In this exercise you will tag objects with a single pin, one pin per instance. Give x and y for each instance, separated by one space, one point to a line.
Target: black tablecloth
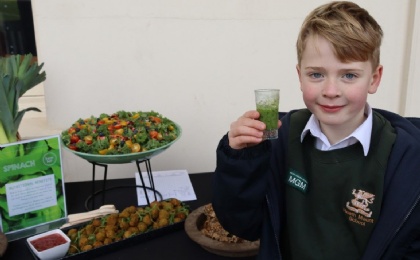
173 245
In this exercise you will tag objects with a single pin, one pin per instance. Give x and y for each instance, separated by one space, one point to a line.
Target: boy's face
335 92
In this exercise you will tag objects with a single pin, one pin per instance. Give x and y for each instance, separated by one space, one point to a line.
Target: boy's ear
376 79
298 72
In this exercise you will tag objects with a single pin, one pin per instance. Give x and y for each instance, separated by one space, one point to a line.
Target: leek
17 75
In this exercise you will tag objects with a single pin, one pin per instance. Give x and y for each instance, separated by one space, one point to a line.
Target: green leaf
6 116
20 114
3 203
36 148
17 75
57 172
53 143
61 204
50 213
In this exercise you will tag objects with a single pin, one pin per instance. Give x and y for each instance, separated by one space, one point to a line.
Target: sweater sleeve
239 187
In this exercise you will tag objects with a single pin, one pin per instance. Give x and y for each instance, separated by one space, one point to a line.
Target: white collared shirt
362 134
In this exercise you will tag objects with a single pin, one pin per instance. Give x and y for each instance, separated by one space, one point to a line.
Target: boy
342 181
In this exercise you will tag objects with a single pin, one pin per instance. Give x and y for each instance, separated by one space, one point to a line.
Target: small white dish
55 252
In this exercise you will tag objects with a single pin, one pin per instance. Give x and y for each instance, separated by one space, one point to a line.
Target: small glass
267 102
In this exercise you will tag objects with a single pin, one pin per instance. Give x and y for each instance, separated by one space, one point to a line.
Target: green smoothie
267 101
268 115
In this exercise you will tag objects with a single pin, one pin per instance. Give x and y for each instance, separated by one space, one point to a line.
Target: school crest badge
358 208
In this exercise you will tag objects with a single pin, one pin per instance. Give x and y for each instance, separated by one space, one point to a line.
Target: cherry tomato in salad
107 120
101 137
135 148
71 130
113 141
155 119
74 138
153 134
88 139
119 131
129 143
72 147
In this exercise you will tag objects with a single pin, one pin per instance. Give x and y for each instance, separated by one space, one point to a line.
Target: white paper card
30 195
171 184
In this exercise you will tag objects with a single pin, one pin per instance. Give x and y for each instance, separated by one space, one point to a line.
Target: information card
32 193
171 184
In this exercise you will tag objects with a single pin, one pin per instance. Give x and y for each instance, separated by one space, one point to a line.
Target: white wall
196 62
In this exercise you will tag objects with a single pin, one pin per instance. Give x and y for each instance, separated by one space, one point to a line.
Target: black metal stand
105 166
149 175
93 180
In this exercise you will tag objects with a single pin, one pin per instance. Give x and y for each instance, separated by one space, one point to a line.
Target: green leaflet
57 172
39 147
53 143
61 203
3 203
22 162
50 213
5 225
10 152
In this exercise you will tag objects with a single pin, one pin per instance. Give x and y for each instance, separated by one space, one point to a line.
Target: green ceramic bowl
125 158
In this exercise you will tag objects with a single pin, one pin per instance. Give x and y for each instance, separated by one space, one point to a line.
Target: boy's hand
246 131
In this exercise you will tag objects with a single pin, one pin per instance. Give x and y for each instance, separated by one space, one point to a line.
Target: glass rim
266 89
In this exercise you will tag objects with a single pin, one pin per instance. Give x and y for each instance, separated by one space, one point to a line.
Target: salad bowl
145 129
123 158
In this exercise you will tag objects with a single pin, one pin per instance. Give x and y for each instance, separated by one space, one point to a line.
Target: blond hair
352 31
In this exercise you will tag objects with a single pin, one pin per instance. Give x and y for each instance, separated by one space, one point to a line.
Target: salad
120 133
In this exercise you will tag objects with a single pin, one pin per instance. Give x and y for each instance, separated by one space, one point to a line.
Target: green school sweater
333 198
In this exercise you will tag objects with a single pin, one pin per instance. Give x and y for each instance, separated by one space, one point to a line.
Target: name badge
296 181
